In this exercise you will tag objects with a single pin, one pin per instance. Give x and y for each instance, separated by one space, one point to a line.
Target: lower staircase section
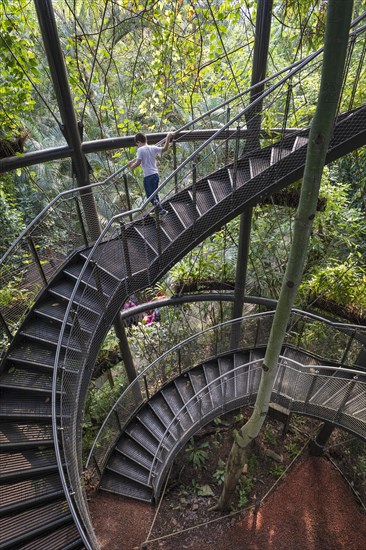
149 443
165 423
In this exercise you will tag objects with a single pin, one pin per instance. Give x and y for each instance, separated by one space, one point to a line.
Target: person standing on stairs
146 157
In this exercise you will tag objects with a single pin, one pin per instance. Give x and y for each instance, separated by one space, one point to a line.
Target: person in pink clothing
146 157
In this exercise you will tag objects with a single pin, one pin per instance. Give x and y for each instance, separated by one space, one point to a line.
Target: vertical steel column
241 273
253 120
70 127
259 68
316 446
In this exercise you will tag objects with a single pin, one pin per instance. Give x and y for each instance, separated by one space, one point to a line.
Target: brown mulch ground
313 508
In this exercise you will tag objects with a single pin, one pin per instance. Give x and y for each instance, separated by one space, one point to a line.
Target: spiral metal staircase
33 506
48 362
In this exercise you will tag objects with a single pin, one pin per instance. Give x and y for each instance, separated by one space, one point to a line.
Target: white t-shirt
147 154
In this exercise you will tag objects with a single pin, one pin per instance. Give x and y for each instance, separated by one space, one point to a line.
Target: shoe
163 213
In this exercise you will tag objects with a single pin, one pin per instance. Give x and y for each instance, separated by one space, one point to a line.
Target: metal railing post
236 156
348 347
6 328
227 141
175 165
81 221
194 184
126 253
37 260
127 193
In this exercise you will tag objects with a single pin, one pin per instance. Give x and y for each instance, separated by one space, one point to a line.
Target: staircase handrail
139 380
282 360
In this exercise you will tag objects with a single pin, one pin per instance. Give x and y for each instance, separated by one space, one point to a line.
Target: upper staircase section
284 111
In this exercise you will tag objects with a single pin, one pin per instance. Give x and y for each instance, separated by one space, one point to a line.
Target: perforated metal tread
18 529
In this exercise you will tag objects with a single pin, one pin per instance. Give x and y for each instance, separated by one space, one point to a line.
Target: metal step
24 494
212 374
139 254
300 141
109 256
133 450
21 379
28 463
63 290
33 355
126 487
17 435
199 384
64 538
141 435
242 176
278 153
128 468
152 423
227 378
186 391
185 211
220 187
165 414
241 361
39 330
53 310
152 234
18 407
93 277
255 370
30 524
257 165
204 199
175 402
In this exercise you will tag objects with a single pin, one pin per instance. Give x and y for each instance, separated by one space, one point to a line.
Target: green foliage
292 449
344 283
18 60
219 473
244 489
214 259
11 220
277 470
197 453
269 435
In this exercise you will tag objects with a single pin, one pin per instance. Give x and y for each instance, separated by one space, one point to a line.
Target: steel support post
70 127
253 120
241 273
316 446
125 349
259 68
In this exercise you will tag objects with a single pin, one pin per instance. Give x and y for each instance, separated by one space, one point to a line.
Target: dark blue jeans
151 184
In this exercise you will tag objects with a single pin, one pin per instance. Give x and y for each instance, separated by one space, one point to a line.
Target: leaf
205 491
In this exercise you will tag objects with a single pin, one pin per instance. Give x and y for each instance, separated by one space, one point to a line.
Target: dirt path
312 509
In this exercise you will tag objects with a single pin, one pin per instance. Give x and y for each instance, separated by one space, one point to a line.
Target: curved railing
75 376
320 391
333 342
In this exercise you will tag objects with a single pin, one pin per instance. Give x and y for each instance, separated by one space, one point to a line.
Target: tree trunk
336 40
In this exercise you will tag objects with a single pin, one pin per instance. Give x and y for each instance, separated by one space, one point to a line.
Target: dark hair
140 137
